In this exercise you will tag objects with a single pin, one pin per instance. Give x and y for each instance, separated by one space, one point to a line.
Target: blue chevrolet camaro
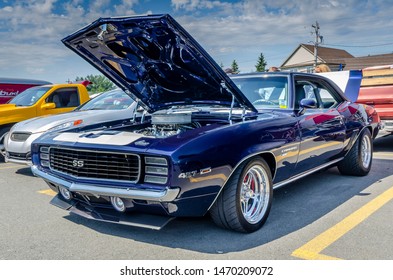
201 141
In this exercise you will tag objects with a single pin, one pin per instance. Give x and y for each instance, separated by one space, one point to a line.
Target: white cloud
7 9
241 30
32 30
44 7
191 5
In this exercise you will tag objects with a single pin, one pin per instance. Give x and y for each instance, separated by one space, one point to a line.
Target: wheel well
6 128
268 157
271 161
373 133
8 125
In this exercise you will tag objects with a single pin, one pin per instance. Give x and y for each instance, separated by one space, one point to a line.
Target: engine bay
167 130
166 125
177 120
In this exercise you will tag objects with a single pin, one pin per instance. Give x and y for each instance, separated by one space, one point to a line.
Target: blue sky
31 30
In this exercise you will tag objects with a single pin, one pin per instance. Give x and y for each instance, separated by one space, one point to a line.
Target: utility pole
318 40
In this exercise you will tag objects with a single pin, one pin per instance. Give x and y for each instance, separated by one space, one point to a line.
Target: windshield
30 96
265 92
110 100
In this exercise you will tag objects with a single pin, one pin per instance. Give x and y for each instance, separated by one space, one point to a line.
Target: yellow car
39 101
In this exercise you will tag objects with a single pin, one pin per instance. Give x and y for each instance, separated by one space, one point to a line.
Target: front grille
25 156
97 165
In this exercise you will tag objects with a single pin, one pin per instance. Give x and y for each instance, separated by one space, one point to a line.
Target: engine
163 131
166 125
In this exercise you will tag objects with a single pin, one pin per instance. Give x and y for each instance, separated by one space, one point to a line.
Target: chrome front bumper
14 160
166 195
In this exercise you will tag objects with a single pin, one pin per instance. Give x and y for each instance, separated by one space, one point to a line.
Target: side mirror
308 103
48 106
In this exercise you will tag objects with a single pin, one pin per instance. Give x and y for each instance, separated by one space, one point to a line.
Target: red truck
377 90
10 87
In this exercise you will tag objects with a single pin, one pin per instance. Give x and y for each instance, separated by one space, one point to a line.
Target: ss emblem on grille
77 163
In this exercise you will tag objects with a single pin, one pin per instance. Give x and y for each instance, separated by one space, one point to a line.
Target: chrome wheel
245 202
359 159
254 194
365 151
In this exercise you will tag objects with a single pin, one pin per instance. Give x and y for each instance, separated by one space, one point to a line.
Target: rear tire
358 161
244 203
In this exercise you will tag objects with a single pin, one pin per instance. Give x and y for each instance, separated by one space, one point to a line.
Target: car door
64 99
322 128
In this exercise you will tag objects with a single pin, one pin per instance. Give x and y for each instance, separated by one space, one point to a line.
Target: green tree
99 83
235 67
261 64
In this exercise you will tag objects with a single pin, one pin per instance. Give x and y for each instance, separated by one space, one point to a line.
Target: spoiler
348 81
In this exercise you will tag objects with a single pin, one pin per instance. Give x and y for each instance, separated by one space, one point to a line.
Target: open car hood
156 61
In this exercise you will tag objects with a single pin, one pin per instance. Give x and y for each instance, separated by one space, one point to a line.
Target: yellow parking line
10 166
378 154
48 192
312 250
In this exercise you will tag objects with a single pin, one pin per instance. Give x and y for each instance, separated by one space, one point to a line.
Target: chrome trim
304 174
18 161
98 179
166 195
282 183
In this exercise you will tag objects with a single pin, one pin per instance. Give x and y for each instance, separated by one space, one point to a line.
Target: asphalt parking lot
323 216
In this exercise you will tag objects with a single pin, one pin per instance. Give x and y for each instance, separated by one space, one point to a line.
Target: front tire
359 159
3 132
244 203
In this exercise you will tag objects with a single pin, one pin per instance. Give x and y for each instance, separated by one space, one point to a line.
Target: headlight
44 156
156 170
65 125
20 136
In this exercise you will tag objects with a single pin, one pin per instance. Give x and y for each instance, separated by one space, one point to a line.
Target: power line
364 46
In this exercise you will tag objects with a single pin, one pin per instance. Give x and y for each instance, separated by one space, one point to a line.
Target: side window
64 98
327 99
322 95
304 90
